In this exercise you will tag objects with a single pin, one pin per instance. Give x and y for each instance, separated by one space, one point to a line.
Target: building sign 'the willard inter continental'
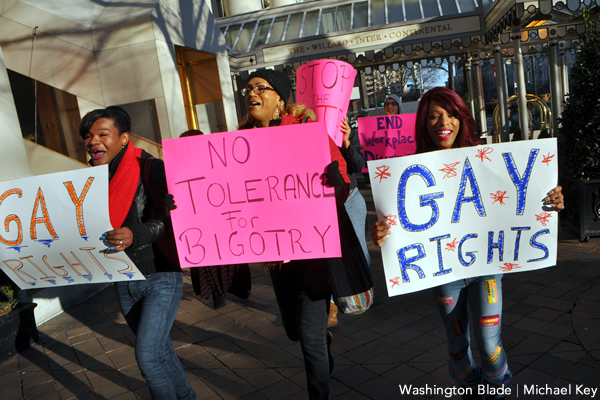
361 41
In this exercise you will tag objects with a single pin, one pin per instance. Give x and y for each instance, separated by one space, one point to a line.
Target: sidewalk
551 332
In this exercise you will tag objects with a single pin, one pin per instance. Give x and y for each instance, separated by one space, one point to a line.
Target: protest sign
326 86
466 212
52 229
387 136
252 196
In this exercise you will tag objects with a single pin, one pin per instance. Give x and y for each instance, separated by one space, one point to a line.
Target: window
310 23
278 28
327 21
377 12
244 39
361 15
466 5
232 34
395 12
343 20
261 33
413 9
293 31
449 7
430 8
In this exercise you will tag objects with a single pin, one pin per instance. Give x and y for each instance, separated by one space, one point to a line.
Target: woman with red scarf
140 218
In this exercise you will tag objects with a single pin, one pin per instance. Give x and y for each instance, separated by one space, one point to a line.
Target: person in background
391 105
302 287
149 306
444 122
215 281
356 206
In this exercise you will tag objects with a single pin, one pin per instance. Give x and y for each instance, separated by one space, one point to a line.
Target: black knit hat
280 81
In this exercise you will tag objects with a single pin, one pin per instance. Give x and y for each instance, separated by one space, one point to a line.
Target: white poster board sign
466 212
52 228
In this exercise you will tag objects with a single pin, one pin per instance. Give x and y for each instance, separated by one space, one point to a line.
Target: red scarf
336 155
123 185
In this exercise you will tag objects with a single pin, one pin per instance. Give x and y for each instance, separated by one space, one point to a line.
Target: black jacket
149 220
355 159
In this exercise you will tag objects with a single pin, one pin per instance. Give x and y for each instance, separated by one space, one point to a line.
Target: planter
17 330
582 207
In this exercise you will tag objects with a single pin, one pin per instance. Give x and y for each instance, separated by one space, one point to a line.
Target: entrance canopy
378 31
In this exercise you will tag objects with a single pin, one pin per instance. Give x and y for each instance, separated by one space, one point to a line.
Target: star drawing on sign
391 220
450 170
543 217
452 245
547 159
509 267
499 197
395 281
483 152
382 173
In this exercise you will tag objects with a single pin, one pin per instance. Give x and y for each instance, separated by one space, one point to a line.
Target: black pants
303 292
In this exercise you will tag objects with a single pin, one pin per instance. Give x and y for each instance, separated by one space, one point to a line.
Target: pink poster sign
325 86
252 196
387 136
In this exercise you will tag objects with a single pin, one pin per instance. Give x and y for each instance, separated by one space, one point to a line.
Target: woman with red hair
444 122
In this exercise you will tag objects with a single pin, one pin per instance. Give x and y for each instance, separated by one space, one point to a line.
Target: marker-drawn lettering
426 200
40 201
495 245
438 240
476 199
407 263
519 181
534 243
78 201
471 255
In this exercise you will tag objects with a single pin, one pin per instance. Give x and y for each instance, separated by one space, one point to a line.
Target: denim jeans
302 292
484 295
149 307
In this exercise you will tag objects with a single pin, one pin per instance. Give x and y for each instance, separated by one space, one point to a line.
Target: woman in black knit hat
301 287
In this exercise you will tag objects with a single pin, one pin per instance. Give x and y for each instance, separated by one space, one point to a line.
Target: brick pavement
551 332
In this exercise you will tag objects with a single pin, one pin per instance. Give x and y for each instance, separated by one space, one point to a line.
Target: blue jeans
302 291
484 295
149 308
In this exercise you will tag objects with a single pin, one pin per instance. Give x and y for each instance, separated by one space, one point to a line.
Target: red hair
453 104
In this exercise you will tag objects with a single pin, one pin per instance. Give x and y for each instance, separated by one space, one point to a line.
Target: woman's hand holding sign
117 239
346 130
555 199
380 232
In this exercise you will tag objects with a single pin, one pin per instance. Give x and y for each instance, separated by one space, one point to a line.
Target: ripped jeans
484 295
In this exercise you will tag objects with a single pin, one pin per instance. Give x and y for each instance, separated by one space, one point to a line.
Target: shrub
8 294
578 140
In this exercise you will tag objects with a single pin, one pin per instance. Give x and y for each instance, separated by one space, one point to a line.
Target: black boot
219 301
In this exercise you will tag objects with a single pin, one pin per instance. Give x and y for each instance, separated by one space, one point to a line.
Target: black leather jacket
149 219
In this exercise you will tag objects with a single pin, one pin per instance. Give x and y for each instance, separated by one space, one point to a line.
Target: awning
376 31
352 30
